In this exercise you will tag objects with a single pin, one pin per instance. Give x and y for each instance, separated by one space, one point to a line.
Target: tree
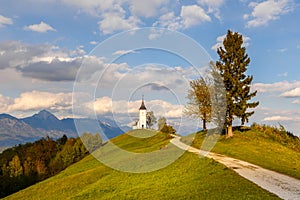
15 167
217 95
163 127
162 121
199 104
168 129
91 142
150 119
62 140
233 64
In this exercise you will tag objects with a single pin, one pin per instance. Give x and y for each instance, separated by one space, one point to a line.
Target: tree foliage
168 129
199 101
164 127
150 119
24 165
162 121
218 97
92 142
15 167
233 65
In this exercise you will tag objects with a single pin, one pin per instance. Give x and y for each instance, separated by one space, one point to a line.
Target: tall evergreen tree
233 65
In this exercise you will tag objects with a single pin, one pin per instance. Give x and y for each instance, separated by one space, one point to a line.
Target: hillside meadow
189 177
268 147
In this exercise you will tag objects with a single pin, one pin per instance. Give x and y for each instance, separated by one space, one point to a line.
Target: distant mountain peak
44 114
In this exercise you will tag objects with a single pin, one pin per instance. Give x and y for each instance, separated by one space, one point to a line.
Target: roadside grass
259 147
189 177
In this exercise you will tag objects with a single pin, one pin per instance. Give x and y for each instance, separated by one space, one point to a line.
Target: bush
279 135
168 129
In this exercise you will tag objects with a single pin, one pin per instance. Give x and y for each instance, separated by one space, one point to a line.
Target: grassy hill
189 177
265 146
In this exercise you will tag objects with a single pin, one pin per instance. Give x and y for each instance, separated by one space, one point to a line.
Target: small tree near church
150 119
233 65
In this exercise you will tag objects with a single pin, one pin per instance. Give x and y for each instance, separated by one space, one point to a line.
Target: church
141 123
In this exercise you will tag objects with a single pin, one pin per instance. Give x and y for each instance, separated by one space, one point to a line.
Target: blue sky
44 42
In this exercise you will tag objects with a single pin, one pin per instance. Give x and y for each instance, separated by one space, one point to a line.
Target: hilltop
189 177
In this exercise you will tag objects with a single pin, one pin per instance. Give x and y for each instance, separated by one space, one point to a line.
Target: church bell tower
142 115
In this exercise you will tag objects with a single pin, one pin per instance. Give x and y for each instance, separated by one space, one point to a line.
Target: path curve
283 186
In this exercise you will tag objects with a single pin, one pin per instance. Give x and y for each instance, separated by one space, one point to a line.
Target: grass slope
189 177
259 148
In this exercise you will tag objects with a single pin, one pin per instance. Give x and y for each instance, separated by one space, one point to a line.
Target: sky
73 58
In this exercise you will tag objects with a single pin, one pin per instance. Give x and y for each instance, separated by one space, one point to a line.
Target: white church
141 123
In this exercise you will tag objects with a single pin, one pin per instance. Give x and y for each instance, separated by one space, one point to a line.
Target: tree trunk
229 131
204 125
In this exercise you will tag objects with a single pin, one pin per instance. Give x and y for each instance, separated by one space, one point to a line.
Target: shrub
279 135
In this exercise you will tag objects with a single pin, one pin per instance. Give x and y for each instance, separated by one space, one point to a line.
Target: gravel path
283 186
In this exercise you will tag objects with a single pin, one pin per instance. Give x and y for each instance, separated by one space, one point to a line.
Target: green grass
257 147
141 141
189 177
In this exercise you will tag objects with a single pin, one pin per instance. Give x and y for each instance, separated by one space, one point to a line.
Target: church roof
143 107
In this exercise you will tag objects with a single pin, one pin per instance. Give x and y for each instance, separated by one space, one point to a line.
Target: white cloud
193 15
5 21
93 42
282 50
156 33
275 87
113 14
211 3
278 118
268 10
114 21
92 7
101 105
163 108
105 105
190 16
120 15
122 52
220 39
79 51
148 8
213 6
136 7
219 43
294 93
37 100
297 101
285 74
168 20
246 16
41 27
4 103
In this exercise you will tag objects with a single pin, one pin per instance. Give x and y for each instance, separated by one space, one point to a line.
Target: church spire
143 107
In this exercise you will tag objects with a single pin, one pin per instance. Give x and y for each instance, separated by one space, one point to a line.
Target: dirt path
283 186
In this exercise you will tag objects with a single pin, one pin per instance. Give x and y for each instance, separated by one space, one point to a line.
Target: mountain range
14 131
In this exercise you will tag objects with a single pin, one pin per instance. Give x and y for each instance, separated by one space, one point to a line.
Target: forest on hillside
24 165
